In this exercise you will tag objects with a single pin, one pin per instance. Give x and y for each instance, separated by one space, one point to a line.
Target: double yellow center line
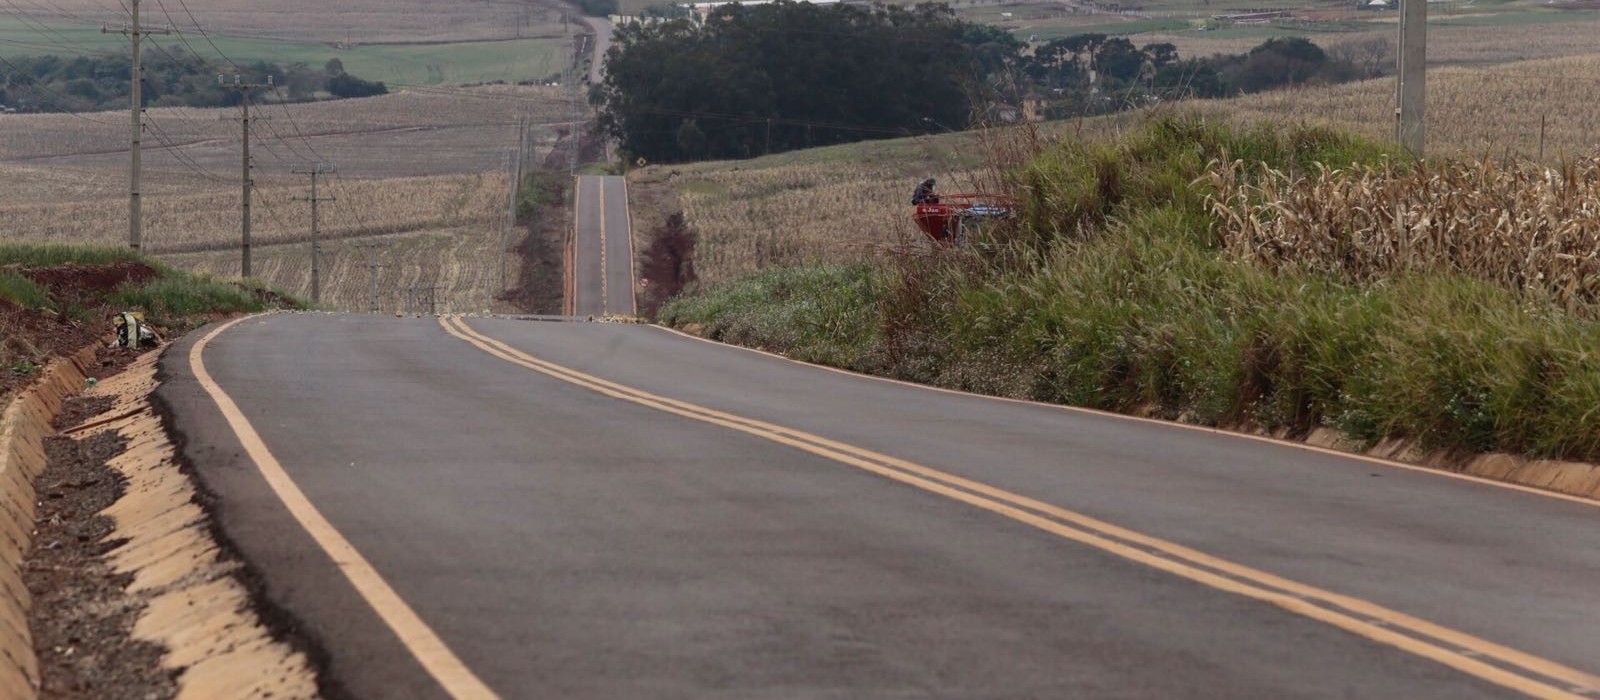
1510 668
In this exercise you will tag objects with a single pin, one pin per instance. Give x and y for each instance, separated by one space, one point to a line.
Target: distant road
602 248
477 507
602 43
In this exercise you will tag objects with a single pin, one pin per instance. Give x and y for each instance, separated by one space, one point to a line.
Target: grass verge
1114 292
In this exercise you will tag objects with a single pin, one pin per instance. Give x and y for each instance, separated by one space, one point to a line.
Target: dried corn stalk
1527 227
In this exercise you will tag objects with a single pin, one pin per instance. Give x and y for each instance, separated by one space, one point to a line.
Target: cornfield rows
209 219
1526 227
461 266
820 212
1484 112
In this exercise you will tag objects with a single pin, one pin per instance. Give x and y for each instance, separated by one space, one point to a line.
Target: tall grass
1115 292
172 298
168 300
22 291
51 254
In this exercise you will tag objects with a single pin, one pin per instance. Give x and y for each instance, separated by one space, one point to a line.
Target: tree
795 75
348 86
1161 54
333 68
1118 59
1368 58
691 140
598 8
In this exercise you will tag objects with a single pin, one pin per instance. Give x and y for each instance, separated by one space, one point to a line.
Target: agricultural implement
942 216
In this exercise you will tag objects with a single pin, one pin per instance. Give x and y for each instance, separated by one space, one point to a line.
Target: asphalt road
612 511
602 43
603 248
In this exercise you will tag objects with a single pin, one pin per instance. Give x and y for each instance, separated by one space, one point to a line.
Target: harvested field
1447 45
818 205
462 263
423 170
209 219
1471 111
415 132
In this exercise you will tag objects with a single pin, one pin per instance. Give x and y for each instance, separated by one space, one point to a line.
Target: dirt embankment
541 251
134 598
33 337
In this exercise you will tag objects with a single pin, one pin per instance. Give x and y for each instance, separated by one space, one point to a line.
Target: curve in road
649 516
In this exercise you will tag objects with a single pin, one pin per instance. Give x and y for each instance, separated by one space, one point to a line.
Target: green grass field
398 64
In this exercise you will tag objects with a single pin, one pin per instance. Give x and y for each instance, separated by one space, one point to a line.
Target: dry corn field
421 170
209 219
415 132
1473 112
461 265
1447 45
1525 227
830 205
440 230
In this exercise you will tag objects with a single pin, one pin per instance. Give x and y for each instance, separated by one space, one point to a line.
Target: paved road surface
603 248
602 43
570 510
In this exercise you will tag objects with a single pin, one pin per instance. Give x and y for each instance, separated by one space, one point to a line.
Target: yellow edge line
1290 595
1392 464
605 294
426 646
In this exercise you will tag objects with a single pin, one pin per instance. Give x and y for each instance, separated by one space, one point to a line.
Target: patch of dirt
82 619
79 286
77 410
667 265
30 338
540 252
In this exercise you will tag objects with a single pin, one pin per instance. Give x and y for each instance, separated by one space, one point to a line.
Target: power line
41 28
169 145
207 37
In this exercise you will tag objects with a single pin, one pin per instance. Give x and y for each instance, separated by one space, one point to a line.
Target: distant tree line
759 79
172 78
598 8
1094 73
766 78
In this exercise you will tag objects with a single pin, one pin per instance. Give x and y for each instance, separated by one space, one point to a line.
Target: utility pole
316 247
1411 89
574 94
244 103
515 170
372 274
136 33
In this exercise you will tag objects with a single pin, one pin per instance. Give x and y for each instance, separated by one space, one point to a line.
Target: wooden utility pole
515 170
136 33
316 246
372 275
574 94
1411 88
249 184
